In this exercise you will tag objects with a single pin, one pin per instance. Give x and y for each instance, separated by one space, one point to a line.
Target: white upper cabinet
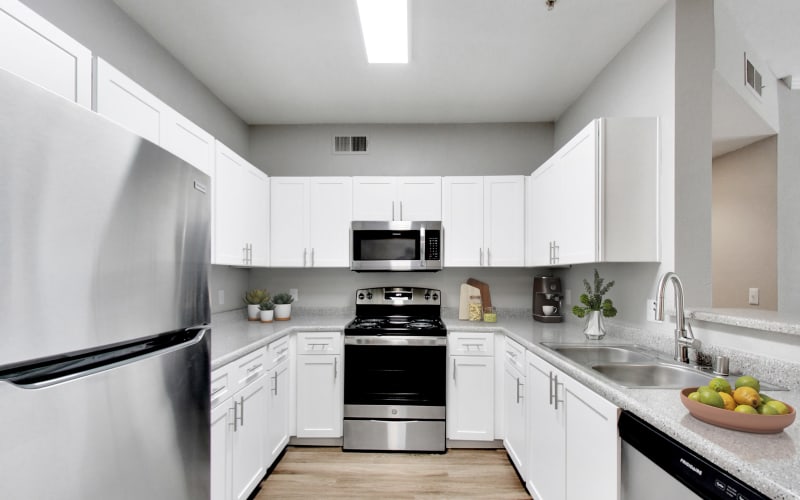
484 221
241 222
397 198
596 199
36 50
189 142
310 223
129 104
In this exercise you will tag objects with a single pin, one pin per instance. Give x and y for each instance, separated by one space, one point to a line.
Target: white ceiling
303 61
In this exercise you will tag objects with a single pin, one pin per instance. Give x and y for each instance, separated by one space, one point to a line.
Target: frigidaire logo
692 467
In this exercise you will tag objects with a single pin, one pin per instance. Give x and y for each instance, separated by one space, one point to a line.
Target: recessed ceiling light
384 24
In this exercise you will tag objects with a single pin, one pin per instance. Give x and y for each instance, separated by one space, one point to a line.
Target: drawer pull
217 390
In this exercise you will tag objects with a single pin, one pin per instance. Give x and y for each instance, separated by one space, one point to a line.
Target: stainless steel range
395 368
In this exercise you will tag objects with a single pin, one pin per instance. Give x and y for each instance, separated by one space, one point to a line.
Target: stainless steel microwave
396 246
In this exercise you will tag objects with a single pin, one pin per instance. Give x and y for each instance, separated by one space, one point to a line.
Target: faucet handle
691 342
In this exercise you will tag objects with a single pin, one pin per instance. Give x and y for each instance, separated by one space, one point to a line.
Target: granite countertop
759 319
768 462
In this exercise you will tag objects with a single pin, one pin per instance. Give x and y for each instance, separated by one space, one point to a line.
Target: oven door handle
394 340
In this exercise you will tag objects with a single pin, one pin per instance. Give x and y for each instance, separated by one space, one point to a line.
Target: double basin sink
634 366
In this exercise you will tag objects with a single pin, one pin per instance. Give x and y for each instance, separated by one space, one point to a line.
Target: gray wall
109 33
788 200
228 284
468 149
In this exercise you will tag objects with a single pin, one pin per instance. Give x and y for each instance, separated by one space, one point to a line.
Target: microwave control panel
432 245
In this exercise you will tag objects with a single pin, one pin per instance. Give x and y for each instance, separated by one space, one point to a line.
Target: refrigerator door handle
45 373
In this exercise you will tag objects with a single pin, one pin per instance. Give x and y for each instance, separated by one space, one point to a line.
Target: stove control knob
435 296
369 295
427 296
360 296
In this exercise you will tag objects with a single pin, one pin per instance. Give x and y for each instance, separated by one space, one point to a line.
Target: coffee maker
546 295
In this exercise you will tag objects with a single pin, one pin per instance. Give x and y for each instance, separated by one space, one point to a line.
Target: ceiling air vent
349 144
752 77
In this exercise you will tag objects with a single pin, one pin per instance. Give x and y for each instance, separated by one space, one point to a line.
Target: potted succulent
266 311
594 308
253 299
283 306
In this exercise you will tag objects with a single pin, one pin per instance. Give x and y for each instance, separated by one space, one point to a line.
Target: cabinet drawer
278 352
515 354
319 343
221 381
471 343
249 367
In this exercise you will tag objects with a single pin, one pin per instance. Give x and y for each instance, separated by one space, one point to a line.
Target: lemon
746 395
719 384
745 409
748 381
712 398
767 410
727 400
779 406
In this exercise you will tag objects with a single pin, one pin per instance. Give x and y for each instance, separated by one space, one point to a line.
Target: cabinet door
278 412
419 198
221 452
249 436
470 394
543 214
462 221
331 211
189 142
374 198
229 237
36 50
592 444
546 423
577 173
289 221
256 215
124 101
515 433
319 396
504 220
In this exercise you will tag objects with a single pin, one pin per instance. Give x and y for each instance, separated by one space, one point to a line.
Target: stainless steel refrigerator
104 310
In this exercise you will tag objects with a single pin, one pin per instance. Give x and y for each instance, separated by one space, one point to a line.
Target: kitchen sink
596 354
653 374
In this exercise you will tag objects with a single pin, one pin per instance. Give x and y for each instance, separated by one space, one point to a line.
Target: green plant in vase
254 298
594 308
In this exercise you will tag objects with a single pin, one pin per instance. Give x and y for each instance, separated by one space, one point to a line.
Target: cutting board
469 294
486 297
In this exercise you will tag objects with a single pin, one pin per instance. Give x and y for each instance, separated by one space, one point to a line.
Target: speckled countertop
769 462
759 319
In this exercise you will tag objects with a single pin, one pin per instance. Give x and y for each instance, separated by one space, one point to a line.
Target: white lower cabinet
238 426
514 398
278 399
470 386
320 391
573 445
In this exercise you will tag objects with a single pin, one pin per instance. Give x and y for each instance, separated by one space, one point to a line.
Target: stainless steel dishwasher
657 467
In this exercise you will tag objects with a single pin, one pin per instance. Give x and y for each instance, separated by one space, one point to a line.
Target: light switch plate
752 297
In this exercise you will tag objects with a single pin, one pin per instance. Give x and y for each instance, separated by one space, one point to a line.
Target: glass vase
595 328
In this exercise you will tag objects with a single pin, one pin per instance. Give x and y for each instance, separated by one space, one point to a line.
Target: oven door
395 371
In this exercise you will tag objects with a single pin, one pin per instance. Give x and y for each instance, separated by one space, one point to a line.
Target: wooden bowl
761 424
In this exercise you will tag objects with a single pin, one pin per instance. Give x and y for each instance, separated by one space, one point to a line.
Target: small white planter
252 312
266 316
283 312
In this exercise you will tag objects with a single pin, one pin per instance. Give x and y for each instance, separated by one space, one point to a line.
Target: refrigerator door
134 429
105 236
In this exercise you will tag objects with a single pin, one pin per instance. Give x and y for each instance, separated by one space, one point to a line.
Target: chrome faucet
684 339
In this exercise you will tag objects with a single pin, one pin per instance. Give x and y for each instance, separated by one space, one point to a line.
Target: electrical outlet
752 297
221 297
650 310
293 293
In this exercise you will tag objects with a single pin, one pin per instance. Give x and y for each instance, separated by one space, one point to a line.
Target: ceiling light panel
384 24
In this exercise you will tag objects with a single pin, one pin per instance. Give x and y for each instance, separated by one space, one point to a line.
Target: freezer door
107 230
135 429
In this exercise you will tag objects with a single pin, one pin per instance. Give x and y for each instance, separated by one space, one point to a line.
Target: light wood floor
306 472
